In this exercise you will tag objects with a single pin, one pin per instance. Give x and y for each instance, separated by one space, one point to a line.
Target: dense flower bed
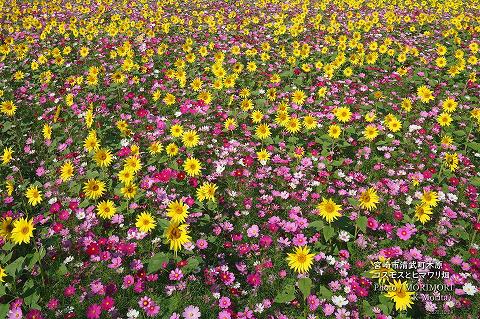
239 159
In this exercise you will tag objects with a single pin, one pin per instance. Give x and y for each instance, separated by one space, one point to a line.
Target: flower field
239 159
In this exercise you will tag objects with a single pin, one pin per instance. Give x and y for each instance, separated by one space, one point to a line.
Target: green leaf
156 262
317 224
285 295
475 181
211 205
32 300
163 223
15 266
193 263
353 201
4 310
305 286
37 257
62 270
474 146
325 292
367 308
362 223
328 232
6 126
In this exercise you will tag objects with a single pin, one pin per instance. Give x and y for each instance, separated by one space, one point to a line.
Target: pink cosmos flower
176 274
94 311
224 302
191 312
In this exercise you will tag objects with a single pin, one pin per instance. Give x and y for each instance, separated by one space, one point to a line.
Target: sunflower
190 138
145 222
8 108
451 160
126 176
449 105
47 132
192 166
2 274
6 227
66 171
33 195
22 231
298 97
343 114
7 155
398 291
177 211
423 212
129 191
425 94
246 105
444 119
91 143
406 105
103 157
93 188
169 99
133 163
155 148
393 124
206 191
171 149
334 131
430 198
262 131
369 199
257 116
329 210
10 187
230 124
263 156
370 132
309 122
300 260
106 209
177 235
282 118
293 125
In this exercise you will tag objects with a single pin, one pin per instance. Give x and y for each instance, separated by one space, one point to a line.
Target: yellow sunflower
206 191
343 114
369 199
66 171
398 291
6 227
190 138
192 166
329 210
7 155
8 108
33 195
94 188
262 131
145 222
103 157
423 212
177 236
106 209
22 231
177 211
301 260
